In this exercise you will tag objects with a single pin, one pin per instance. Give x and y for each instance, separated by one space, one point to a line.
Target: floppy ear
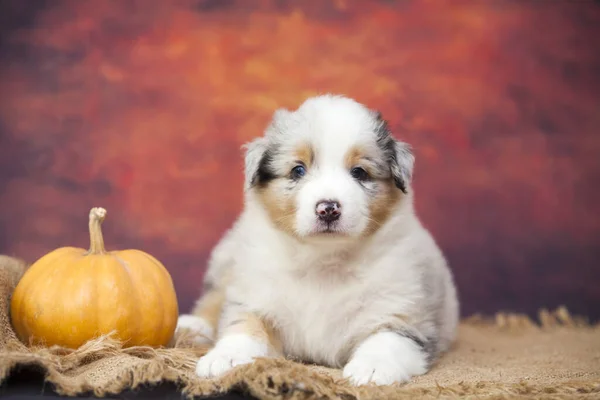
259 152
399 154
254 160
401 164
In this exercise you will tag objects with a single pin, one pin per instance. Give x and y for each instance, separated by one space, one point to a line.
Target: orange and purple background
141 107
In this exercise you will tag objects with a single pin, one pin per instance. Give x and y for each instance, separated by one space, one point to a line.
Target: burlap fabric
505 357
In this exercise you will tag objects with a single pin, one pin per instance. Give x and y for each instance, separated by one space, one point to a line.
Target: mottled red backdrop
141 107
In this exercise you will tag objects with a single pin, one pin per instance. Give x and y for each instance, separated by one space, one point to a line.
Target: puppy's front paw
385 358
231 351
378 370
200 329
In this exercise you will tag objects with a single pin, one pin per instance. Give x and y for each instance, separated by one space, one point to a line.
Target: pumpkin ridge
90 270
55 291
134 293
95 296
138 254
122 262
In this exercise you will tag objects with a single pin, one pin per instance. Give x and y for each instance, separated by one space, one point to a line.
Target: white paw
201 330
385 358
230 351
380 371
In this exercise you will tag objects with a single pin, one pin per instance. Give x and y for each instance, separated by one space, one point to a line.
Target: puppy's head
329 169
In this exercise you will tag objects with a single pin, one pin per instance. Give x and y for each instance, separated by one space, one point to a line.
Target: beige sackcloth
509 356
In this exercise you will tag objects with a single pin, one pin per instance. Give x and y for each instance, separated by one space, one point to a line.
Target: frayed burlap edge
69 370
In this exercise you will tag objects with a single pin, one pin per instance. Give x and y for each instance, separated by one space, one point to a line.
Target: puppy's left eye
359 173
298 172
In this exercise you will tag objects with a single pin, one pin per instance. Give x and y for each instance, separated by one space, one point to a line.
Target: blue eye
298 172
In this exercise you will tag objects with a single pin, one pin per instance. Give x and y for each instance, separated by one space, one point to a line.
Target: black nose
328 210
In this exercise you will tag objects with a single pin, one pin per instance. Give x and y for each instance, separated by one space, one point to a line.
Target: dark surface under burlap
508 356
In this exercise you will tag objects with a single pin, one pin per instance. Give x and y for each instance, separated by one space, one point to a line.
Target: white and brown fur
370 293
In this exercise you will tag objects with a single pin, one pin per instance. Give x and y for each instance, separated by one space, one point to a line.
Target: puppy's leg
204 319
387 357
244 337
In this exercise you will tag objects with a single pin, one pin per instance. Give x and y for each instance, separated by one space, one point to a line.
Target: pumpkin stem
97 215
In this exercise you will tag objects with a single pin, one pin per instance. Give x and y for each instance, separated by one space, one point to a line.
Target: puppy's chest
315 319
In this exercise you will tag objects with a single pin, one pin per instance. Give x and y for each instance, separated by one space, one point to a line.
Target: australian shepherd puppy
328 262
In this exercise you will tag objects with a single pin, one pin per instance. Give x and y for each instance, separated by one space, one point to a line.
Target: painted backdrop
141 107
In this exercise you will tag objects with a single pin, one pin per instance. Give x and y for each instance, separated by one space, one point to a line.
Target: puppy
328 262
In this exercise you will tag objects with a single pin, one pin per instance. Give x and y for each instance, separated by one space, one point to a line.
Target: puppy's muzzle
328 210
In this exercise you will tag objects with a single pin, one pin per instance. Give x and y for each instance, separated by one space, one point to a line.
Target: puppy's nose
328 210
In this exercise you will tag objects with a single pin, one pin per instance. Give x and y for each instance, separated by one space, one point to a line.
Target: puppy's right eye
298 172
359 173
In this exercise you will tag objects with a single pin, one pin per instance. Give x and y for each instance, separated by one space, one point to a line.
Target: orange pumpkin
72 295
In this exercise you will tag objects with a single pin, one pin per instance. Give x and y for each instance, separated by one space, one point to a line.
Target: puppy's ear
259 152
401 164
399 154
255 160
